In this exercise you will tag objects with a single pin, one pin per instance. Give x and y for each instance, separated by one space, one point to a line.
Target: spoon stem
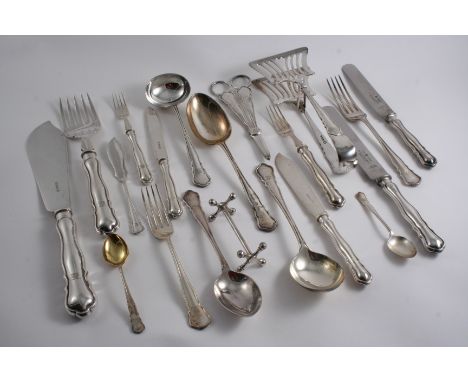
137 324
362 198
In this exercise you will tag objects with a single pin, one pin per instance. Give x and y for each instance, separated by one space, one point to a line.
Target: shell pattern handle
421 153
174 208
431 241
143 170
79 297
105 219
360 274
333 196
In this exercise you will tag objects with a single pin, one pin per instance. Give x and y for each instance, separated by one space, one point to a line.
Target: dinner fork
81 121
284 129
352 112
122 113
161 227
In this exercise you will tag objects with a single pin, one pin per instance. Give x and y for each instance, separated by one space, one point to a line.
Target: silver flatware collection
285 80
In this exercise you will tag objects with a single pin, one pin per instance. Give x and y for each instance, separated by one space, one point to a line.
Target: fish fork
284 129
353 113
81 121
161 227
122 113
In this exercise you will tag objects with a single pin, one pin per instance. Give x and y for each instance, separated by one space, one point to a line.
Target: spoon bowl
401 246
165 90
315 271
238 293
115 250
208 120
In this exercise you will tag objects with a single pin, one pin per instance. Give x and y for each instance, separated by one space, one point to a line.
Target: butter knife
376 102
153 124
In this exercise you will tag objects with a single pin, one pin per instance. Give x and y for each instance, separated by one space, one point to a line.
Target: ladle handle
192 199
359 272
79 297
428 237
264 220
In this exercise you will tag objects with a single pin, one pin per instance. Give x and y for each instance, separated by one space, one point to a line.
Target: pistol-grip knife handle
430 240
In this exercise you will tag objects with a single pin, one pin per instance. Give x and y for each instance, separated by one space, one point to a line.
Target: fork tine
148 209
62 114
94 115
340 99
86 114
124 103
345 97
71 117
161 210
78 111
349 95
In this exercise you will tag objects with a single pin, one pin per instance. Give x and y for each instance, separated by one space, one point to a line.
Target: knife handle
143 171
424 156
79 297
105 219
360 274
174 207
333 196
430 240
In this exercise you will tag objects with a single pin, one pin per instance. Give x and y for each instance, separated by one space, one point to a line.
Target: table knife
366 161
48 155
376 102
310 202
159 148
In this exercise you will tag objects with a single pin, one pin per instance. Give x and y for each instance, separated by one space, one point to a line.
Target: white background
416 302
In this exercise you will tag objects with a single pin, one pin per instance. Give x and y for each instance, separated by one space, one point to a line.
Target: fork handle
424 156
143 171
105 219
332 194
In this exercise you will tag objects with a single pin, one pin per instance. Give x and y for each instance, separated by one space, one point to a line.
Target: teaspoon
309 269
236 291
398 245
115 251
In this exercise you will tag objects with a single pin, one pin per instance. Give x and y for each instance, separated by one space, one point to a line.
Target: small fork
81 121
122 113
161 227
284 129
352 112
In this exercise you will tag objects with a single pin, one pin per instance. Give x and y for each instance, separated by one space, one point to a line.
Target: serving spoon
210 124
236 291
115 252
309 269
398 245
169 90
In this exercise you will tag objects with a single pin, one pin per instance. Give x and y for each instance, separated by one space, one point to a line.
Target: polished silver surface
236 94
377 103
290 70
312 205
122 113
116 158
284 129
236 291
81 121
398 245
47 151
309 269
153 124
352 112
431 241
170 90
210 124
247 253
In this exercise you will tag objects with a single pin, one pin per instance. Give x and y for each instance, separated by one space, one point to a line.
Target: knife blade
377 103
47 151
154 127
372 168
310 202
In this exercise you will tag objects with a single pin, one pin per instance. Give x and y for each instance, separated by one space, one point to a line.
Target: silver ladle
169 90
236 291
398 245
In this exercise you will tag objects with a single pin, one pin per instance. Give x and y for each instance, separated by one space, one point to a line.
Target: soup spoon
236 291
115 251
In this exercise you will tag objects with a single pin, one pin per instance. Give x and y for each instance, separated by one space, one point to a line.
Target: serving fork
161 227
284 129
353 113
122 113
81 121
